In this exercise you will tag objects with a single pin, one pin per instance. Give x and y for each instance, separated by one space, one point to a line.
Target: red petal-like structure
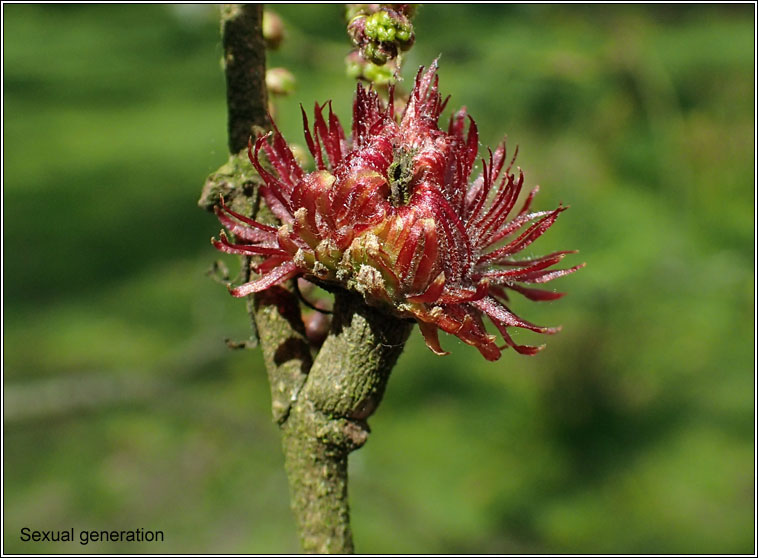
390 213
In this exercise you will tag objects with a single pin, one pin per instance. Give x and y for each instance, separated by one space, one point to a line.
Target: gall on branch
391 214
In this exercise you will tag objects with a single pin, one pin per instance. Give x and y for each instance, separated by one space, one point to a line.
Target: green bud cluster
380 32
381 27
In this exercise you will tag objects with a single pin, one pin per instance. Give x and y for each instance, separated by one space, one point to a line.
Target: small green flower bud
375 54
380 75
380 33
358 67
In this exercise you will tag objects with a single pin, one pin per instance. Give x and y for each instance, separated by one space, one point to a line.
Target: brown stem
245 68
275 313
321 405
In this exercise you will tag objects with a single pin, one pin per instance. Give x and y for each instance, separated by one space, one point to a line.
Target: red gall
391 214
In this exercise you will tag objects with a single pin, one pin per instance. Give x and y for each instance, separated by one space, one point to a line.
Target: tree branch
245 68
322 405
344 387
275 313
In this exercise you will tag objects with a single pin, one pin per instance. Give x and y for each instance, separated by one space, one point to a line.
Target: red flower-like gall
390 213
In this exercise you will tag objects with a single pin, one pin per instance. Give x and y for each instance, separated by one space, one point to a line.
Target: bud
360 68
391 213
273 29
280 81
317 325
380 35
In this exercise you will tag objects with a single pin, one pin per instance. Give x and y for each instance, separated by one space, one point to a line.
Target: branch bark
320 405
328 421
245 69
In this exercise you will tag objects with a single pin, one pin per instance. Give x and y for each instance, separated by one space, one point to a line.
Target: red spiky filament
390 213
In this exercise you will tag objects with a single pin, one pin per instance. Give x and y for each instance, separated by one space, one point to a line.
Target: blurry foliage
632 432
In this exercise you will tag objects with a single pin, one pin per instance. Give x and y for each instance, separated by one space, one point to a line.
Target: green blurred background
632 432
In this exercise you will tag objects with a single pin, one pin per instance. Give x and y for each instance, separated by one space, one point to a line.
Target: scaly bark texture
320 405
328 421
